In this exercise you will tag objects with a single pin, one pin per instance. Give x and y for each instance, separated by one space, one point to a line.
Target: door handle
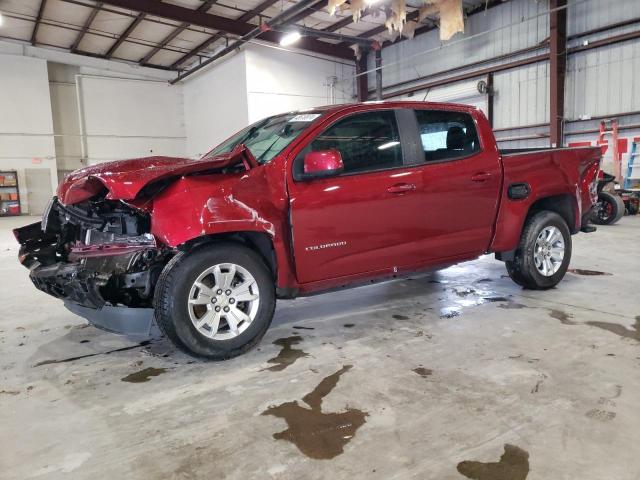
480 177
400 188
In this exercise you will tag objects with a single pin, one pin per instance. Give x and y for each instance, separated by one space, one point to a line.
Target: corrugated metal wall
509 33
603 81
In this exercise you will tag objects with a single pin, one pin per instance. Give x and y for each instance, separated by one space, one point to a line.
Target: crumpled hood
125 178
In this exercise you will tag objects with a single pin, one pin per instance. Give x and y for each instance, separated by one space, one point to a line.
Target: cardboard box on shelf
9 180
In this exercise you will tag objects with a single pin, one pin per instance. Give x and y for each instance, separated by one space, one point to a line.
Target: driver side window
367 141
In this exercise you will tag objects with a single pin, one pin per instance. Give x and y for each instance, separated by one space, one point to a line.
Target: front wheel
544 252
215 302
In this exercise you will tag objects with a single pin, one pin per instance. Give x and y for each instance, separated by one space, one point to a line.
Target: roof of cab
395 103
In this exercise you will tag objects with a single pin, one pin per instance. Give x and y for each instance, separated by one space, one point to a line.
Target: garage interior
457 373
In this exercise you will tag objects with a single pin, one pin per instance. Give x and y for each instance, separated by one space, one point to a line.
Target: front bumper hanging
90 269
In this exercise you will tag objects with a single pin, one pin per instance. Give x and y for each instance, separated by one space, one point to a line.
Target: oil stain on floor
513 465
423 372
144 375
400 317
564 317
580 271
317 434
288 355
621 330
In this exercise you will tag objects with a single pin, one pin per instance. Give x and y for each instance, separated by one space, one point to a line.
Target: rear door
461 180
363 220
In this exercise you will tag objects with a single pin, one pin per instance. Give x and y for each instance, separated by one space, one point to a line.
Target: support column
490 98
362 81
378 74
557 69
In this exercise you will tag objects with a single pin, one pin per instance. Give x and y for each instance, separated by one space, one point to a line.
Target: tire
609 210
177 284
523 269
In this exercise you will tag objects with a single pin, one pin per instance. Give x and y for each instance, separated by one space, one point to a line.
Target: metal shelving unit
9 194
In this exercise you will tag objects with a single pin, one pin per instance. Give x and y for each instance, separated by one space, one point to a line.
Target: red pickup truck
301 203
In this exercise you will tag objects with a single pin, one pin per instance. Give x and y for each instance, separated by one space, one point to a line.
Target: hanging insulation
449 12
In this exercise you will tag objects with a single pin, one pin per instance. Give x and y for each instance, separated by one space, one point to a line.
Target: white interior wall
64 109
128 118
26 126
257 82
280 81
215 104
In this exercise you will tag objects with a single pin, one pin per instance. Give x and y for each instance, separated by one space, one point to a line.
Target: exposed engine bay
95 253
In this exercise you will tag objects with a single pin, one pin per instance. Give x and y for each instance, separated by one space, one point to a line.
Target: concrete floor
432 378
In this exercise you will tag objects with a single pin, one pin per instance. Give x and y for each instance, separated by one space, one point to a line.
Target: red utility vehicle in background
300 203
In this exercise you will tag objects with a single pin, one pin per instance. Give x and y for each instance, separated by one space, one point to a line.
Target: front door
363 220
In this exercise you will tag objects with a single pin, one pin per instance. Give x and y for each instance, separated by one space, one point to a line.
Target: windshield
268 137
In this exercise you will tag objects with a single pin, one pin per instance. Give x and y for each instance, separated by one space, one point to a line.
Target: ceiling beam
125 34
280 22
186 15
206 5
85 27
245 17
34 34
216 22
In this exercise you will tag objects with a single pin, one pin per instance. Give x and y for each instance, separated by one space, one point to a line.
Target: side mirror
323 163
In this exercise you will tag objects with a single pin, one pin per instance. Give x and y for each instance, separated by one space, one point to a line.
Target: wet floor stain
464 292
71 359
423 372
9 392
492 299
600 415
400 317
580 271
288 355
511 305
621 330
513 465
564 317
317 434
349 325
299 327
450 312
143 375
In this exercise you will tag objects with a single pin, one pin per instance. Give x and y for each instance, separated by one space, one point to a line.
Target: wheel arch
512 220
260 242
564 205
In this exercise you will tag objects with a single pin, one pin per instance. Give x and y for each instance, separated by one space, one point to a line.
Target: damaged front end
99 257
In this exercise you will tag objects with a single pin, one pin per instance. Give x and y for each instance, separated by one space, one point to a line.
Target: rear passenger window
366 141
447 135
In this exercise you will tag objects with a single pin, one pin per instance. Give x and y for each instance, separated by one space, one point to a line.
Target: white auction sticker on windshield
305 117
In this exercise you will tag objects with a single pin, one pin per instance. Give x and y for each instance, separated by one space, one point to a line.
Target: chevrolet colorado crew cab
301 203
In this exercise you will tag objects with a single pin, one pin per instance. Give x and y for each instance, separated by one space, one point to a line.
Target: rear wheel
215 302
544 252
609 209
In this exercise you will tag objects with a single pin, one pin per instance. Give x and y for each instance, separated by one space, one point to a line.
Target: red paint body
329 232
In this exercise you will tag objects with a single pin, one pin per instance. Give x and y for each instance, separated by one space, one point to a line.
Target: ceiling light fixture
384 146
290 38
